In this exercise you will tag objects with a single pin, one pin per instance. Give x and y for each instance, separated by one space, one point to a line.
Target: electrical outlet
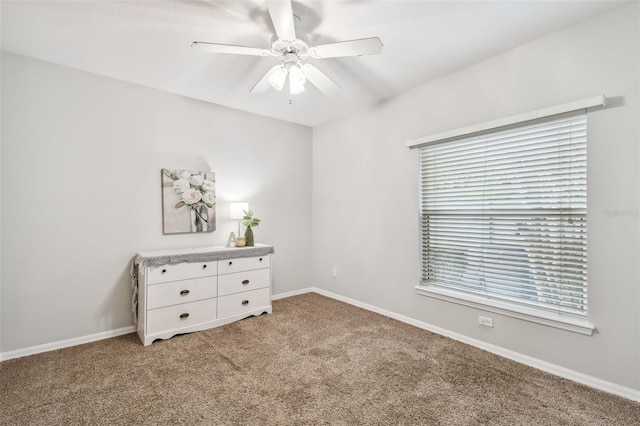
486 321
334 273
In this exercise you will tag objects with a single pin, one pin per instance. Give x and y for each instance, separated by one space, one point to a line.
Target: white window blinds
504 215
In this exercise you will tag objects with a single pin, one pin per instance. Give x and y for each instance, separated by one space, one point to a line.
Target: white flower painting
188 201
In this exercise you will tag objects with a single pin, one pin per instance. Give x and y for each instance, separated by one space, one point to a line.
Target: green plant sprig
249 220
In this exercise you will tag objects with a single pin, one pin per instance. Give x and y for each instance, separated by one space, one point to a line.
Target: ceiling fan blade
365 46
263 85
281 12
320 80
230 48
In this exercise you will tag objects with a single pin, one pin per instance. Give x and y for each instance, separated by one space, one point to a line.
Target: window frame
553 319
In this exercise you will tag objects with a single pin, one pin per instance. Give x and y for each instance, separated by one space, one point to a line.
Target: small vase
248 235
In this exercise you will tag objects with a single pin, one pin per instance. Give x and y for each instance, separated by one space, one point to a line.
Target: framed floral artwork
188 201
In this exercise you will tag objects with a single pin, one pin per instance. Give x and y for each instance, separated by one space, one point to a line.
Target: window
504 216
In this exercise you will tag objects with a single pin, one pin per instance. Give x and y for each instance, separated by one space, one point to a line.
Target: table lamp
236 213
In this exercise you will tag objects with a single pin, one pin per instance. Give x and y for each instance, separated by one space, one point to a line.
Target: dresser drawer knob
184 316
164 270
245 302
230 263
204 266
245 282
260 259
184 292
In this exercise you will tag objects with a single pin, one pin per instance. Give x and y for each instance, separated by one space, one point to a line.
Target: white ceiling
148 43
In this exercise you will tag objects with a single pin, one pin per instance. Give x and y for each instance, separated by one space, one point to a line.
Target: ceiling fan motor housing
289 60
280 47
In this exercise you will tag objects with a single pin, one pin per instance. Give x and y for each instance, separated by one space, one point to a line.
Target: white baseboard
585 379
294 293
32 350
566 373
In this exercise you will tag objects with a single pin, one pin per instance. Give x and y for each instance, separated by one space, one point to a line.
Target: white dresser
187 290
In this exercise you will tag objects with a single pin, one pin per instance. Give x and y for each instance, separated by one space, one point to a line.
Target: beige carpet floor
313 361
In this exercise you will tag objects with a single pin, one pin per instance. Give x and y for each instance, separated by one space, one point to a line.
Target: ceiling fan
292 51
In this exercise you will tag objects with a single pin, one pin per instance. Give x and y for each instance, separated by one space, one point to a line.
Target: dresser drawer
243 264
180 271
183 291
243 281
179 316
243 302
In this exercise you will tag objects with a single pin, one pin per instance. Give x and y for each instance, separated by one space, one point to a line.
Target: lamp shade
236 210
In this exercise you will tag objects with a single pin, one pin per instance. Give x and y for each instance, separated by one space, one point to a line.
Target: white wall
365 199
81 161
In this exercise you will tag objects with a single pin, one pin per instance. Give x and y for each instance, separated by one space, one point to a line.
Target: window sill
549 319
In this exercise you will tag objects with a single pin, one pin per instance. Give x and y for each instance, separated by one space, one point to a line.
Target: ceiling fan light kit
292 50
277 78
296 80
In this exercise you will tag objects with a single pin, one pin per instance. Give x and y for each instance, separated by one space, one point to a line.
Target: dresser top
198 254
